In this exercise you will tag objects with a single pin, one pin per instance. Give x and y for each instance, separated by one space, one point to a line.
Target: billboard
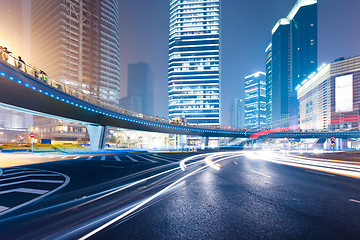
344 93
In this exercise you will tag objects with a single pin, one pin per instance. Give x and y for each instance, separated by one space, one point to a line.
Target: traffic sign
332 142
32 135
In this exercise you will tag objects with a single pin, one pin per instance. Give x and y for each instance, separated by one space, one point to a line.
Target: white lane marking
1 172
25 190
236 163
103 158
262 174
112 166
149 199
89 158
30 171
77 157
2 208
32 180
66 182
162 159
64 157
132 159
14 169
353 200
117 158
29 175
327 174
146 159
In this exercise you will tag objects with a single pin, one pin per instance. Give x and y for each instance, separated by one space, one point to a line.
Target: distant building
255 100
329 99
194 61
140 92
280 77
236 111
13 123
294 57
268 63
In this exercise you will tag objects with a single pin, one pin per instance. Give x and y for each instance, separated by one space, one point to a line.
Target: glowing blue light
11 78
57 98
3 74
26 84
19 81
52 95
40 90
46 93
34 88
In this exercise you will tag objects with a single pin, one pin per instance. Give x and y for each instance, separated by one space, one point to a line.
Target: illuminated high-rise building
77 42
194 62
268 67
294 57
255 100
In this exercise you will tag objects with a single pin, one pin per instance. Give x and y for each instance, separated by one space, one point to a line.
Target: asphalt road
248 198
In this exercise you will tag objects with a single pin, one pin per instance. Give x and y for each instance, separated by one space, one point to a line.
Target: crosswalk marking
16 173
25 190
103 158
89 158
117 158
132 159
146 159
162 159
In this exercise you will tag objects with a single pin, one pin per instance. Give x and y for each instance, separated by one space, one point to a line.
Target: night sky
246 28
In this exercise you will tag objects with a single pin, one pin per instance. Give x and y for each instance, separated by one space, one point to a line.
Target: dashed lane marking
262 174
353 200
112 166
89 158
132 159
103 158
117 158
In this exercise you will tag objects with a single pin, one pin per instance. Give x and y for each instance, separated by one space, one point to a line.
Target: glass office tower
194 63
280 73
303 18
268 53
255 100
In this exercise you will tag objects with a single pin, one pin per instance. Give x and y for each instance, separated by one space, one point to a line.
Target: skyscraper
294 57
140 92
77 42
194 63
235 109
268 63
280 77
255 100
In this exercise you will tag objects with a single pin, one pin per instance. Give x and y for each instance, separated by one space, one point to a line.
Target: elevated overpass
25 88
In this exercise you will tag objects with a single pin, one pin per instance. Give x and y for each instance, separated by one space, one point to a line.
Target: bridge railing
42 77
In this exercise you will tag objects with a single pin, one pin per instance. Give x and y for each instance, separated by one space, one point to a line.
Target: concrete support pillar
97 136
206 142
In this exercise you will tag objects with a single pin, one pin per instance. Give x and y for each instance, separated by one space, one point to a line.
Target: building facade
194 61
294 57
330 98
280 77
236 111
255 100
268 52
77 42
